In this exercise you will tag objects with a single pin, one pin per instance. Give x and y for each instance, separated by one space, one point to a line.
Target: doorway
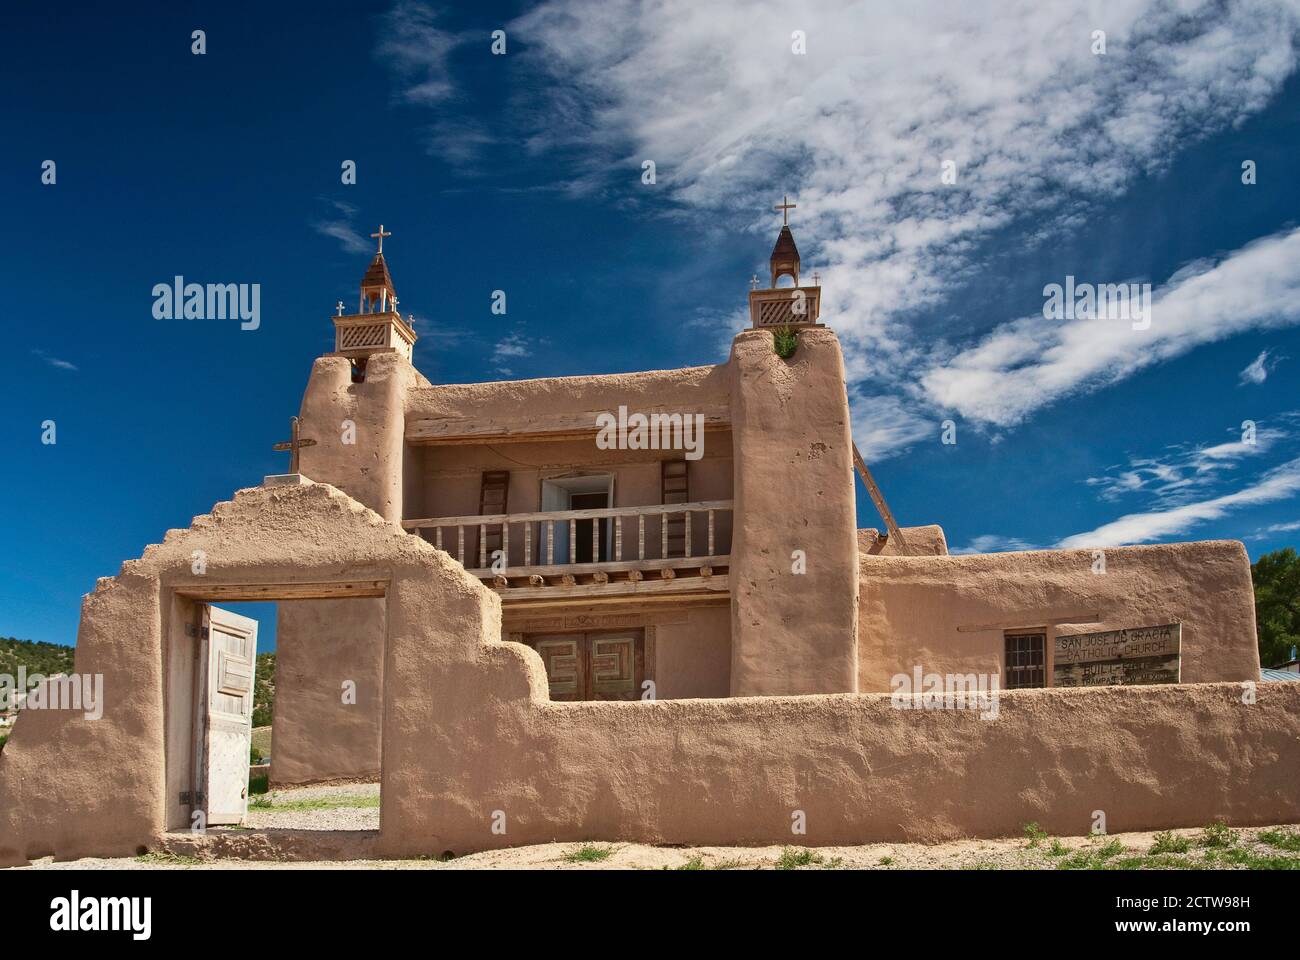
594 492
605 665
221 691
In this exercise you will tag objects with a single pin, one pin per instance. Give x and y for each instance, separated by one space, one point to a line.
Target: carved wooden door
593 666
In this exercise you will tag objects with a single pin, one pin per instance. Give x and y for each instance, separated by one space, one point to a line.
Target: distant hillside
264 690
44 658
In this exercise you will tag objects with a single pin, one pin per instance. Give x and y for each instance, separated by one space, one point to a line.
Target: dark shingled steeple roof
785 248
377 275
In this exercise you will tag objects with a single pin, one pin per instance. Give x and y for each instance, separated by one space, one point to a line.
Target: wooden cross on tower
785 207
294 444
381 236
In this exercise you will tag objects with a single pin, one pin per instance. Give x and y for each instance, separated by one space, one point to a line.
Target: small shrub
786 342
1057 849
1035 834
885 861
695 863
1168 843
1112 849
1217 834
792 859
588 853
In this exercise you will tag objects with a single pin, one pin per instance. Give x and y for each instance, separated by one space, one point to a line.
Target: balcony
659 549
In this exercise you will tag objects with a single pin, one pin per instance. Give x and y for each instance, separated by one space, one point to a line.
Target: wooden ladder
676 488
493 496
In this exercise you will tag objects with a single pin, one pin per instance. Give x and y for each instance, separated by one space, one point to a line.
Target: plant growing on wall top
786 342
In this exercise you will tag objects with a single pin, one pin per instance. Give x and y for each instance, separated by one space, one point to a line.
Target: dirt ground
332 826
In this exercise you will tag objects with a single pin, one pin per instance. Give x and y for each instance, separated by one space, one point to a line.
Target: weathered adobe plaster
922 611
468 730
792 633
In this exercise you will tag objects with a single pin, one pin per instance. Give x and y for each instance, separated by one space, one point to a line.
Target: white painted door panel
228 657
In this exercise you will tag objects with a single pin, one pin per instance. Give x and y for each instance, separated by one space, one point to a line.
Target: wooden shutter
493 497
676 488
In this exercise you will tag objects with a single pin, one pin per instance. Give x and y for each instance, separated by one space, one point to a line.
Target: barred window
1024 665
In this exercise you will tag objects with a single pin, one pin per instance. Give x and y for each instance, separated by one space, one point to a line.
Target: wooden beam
878 499
677 587
570 426
1029 623
519 609
233 592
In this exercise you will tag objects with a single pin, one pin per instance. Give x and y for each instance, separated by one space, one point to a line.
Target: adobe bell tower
376 326
793 306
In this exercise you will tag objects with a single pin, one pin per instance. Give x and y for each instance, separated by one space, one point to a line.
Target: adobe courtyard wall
481 760
926 611
72 786
471 742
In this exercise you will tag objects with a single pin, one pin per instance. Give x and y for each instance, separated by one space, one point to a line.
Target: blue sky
522 172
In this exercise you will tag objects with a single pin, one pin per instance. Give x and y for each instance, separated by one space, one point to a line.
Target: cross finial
785 207
753 282
817 279
339 308
381 236
295 443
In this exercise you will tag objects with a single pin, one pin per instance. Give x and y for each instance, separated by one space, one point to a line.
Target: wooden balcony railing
702 537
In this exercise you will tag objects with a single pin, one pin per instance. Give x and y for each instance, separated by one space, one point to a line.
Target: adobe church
509 622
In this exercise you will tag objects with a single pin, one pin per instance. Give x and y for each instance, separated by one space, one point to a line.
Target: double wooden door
609 665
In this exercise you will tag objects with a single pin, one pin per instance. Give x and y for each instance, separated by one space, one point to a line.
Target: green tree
1277 604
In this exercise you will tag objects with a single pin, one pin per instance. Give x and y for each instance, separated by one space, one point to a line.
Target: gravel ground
293 815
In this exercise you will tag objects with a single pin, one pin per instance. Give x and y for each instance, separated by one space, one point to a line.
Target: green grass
267 801
1151 861
792 859
588 853
885 861
1094 859
695 863
164 859
1242 857
1282 839
1168 843
1057 849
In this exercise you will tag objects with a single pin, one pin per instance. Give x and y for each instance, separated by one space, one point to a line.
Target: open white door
224 725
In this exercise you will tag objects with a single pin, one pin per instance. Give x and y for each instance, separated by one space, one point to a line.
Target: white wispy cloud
1280 483
339 227
55 361
1030 362
859 127
417 51
1257 370
992 543
858 130
1184 472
